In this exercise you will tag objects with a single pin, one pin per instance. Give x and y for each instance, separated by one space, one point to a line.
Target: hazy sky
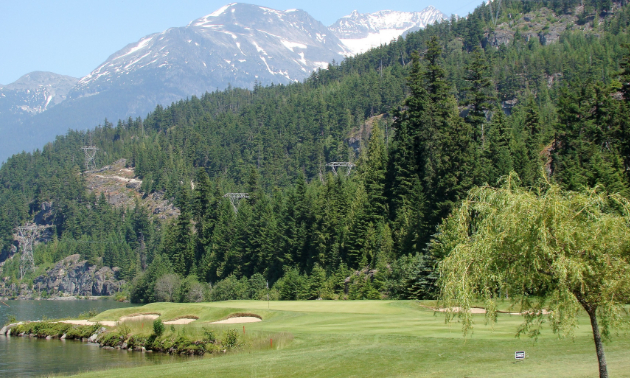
72 37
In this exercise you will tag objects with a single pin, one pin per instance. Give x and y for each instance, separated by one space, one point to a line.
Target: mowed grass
378 339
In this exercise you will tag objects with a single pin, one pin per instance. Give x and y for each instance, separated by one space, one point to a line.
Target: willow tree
553 251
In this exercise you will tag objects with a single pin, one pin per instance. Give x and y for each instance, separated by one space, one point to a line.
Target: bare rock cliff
71 276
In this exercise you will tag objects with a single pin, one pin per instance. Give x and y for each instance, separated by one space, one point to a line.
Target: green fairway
378 339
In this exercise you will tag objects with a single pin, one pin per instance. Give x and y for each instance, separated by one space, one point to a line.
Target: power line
235 199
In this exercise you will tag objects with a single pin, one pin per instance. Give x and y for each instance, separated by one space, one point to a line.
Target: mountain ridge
237 45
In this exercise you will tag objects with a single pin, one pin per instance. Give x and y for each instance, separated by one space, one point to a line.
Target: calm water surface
30 357
37 310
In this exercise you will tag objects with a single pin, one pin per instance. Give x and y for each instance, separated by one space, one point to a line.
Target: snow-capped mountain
360 32
34 93
238 44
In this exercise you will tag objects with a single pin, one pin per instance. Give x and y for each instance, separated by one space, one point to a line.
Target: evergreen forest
423 120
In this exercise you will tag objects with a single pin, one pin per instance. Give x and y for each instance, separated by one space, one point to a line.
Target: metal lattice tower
235 199
495 18
336 164
26 235
90 155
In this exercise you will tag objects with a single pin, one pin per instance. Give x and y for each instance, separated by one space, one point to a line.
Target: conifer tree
215 260
205 211
445 142
532 130
587 150
405 188
179 244
374 176
479 95
498 152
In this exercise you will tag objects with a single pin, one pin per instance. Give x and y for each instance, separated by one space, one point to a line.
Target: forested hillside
536 87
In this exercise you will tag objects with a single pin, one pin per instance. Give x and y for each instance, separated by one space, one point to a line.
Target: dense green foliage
554 250
428 117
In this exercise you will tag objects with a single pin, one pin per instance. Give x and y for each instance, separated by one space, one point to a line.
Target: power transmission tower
495 18
26 236
235 199
336 164
90 155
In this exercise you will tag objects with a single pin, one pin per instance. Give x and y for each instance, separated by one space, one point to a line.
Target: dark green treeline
427 125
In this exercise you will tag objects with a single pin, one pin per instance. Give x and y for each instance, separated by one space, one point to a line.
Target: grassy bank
374 339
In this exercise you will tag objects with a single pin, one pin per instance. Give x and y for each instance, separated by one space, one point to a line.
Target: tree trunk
599 347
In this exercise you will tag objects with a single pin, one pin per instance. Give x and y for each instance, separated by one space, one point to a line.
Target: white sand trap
77 322
479 310
473 310
139 317
180 321
107 323
239 320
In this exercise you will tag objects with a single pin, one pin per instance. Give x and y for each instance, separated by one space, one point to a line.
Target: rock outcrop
71 276
543 25
121 188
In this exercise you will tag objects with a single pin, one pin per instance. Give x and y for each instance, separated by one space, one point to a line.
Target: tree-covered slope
422 128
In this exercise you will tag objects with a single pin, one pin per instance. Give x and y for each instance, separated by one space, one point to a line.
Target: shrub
230 339
191 290
208 335
167 288
136 342
124 330
257 287
88 314
158 327
10 319
121 296
230 288
293 285
80 332
111 339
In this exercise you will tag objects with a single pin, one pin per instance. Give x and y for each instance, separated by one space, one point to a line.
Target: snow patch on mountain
237 44
360 32
34 93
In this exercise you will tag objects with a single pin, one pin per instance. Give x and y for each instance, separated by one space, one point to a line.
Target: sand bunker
111 323
180 321
139 317
239 320
473 310
480 310
107 323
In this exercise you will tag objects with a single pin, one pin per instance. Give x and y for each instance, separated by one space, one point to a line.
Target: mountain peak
36 79
363 31
236 44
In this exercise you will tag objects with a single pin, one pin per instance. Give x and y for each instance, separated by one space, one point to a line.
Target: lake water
31 357
38 310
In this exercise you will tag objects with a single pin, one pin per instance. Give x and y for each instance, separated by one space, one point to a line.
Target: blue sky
72 37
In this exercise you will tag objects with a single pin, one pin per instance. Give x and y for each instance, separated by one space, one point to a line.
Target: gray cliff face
71 276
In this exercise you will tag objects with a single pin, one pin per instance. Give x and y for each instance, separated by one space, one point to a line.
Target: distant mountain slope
238 45
360 32
33 93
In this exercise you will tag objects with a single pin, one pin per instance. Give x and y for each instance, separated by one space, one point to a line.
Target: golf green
378 339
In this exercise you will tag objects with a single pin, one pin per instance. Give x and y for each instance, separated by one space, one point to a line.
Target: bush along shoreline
183 341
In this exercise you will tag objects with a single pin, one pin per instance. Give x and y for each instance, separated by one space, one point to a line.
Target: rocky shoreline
110 338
